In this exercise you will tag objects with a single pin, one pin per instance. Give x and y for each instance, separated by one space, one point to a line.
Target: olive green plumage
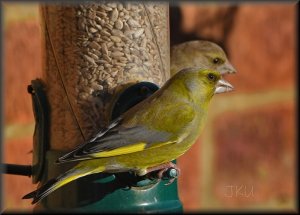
155 131
202 54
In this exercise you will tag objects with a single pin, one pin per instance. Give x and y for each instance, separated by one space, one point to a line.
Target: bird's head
201 84
212 83
219 62
203 54
215 57
213 80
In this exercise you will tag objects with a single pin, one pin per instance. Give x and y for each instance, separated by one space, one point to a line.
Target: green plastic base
111 193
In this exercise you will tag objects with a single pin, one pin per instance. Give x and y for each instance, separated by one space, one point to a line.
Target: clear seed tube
91 50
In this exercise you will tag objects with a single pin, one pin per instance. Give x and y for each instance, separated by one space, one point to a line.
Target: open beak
227 68
223 87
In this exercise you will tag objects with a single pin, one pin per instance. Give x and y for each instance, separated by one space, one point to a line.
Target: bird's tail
58 182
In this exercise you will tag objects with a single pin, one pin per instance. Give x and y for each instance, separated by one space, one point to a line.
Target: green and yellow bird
148 136
200 53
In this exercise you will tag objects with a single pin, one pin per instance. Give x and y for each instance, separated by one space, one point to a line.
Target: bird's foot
169 170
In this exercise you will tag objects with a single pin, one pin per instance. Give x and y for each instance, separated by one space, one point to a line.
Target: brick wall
22 63
246 154
245 158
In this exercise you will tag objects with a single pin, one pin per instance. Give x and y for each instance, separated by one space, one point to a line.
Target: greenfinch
149 135
200 53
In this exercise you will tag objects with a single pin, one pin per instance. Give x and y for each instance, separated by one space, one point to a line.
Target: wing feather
117 140
129 134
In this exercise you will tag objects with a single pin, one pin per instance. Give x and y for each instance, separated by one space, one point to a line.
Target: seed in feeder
128 32
97 52
133 70
109 44
89 59
107 58
113 74
115 39
138 33
98 27
93 30
147 63
104 48
96 86
116 32
122 59
95 57
92 14
105 33
101 14
116 49
114 15
120 44
106 38
119 24
117 54
109 26
100 68
108 65
126 27
120 6
105 7
133 23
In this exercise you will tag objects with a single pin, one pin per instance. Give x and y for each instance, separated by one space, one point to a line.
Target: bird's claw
167 170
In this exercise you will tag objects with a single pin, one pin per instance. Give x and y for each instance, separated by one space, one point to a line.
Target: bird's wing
117 140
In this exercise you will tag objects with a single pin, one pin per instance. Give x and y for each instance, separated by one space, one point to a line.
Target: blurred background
246 157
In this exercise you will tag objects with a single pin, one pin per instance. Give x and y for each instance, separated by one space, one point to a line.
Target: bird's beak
223 87
227 68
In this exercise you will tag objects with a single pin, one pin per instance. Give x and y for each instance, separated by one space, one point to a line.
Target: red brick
189 180
22 57
262 46
209 27
256 149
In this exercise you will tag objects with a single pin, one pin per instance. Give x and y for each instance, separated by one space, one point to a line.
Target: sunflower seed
117 54
89 59
105 33
116 32
96 86
147 63
106 57
93 30
101 14
120 64
109 44
114 15
115 39
120 44
98 27
133 23
106 7
104 48
122 59
97 52
138 33
95 57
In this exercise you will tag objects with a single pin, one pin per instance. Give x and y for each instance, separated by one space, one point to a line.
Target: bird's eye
216 60
211 77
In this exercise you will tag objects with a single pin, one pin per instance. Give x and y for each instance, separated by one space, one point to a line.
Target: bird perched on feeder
200 53
148 136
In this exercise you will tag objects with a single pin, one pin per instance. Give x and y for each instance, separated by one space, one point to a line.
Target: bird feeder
99 60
